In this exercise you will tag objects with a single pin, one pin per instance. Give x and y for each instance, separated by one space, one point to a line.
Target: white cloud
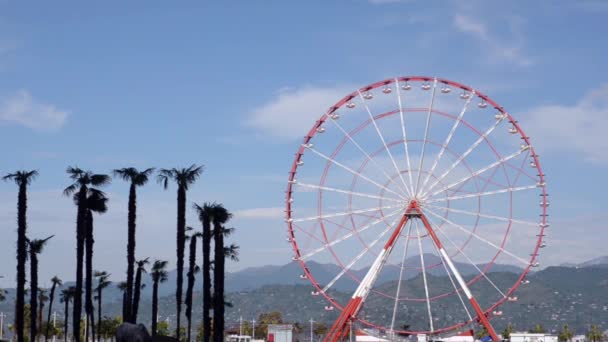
579 128
293 112
497 48
261 213
22 109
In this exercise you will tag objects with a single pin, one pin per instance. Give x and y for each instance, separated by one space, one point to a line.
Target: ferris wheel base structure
340 330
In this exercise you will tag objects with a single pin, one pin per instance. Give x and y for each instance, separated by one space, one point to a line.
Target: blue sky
235 85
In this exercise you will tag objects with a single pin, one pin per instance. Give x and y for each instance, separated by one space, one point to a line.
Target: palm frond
100 180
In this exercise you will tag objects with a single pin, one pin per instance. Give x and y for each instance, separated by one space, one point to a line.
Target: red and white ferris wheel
413 194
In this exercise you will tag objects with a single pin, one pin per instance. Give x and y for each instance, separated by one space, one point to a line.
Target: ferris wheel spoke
337 163
448 139
443 263
475 235
407 152
388 151
426 287
478 172
481 194
380 168
477 214
400 279
470 261
359 256
426 133
348 192
349 235
345 213
462 157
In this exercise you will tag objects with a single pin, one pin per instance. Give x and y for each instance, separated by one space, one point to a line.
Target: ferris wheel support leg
340 328
480 314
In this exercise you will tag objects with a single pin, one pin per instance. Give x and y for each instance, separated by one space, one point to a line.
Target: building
280 333
530 337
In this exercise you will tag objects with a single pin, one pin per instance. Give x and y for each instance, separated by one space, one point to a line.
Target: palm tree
96 202
56 282
192 270
42 298
159 275
102 283
122 286
141 268
35 247
22 179
137 178
184 177
204 215
66 296
220 216
82 180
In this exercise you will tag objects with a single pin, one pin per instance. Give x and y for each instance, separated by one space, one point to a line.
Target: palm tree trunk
80 235
48 319
33 295
21 259
181 239
99 290
89 276
191 279
206 278
124 306
136 295
66 316
131 253
154 306
218 300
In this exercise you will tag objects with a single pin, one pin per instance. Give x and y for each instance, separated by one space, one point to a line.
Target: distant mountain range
595 262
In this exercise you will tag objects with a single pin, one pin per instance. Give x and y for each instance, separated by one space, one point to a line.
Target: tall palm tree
82 180
35 247
204 215
22 179
42 298
122 286
56 282
96 202
184 177
192 270
220 216
136 178
66 296
141 268
159 275
102 283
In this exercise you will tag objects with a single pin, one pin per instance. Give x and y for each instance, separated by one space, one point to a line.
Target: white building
530 337
280 333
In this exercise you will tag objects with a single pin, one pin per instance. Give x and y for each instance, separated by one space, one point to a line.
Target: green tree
538 329
319 329
595 334
266 318
159 275
184 177
22 179
506 334
482 332
82 181
106 328
136 178
102 283
35 247
55 282
162 328
141 268
192 270
565 334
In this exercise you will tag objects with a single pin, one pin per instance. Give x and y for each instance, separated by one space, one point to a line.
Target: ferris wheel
416 205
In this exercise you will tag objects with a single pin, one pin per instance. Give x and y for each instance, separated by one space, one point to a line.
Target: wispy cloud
293 111
579 128
261 213
22 109
496 48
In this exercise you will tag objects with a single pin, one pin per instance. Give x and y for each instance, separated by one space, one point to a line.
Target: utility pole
311 328
2 315
253 329
54 321
241 326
